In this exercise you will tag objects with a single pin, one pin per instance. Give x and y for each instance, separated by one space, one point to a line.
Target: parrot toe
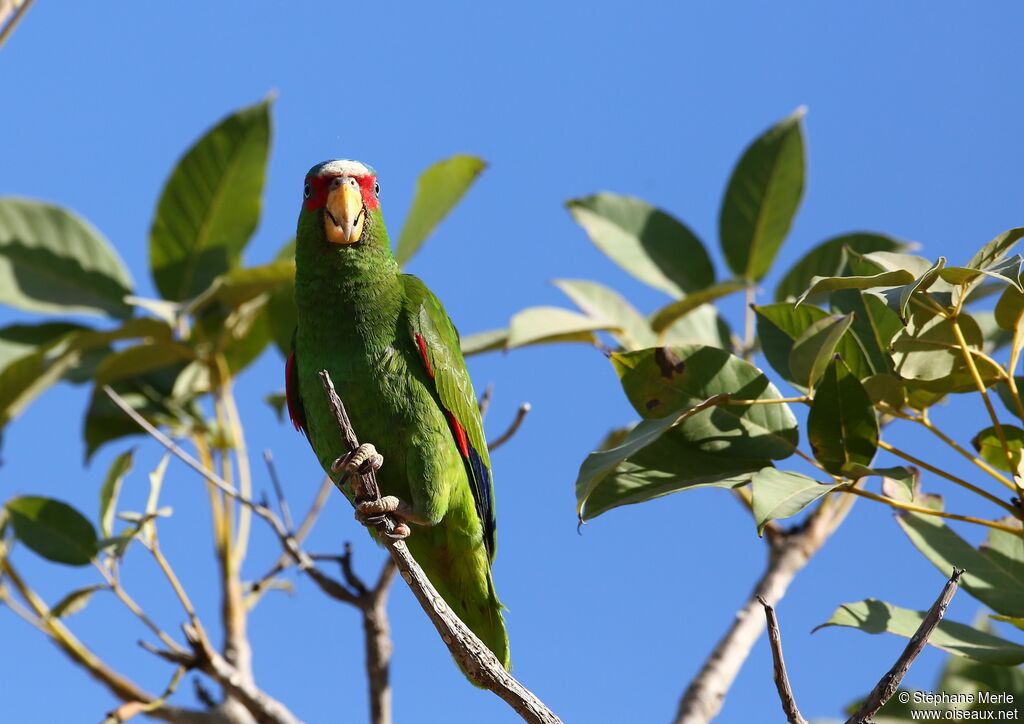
371 512
361 460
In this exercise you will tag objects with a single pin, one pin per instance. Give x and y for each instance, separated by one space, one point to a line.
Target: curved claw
361 460
372 513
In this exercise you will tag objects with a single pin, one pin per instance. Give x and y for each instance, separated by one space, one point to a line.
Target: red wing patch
460 435
291 392
422 344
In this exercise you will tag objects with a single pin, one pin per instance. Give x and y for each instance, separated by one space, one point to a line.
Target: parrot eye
306 191
376 189
336 182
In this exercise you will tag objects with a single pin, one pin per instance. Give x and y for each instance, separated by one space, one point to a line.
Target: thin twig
793 715
504 437
473 656
889 683
285 560
485 400
282 501
12 12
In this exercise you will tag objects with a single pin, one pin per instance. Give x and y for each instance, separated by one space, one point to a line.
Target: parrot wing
438 342
296 410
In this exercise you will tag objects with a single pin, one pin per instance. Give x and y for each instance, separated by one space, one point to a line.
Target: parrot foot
371 511
361 460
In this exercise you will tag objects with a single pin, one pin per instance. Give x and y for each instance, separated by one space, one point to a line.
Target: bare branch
788 554
282 501
485 399
889 683
11 11
473 656
793 715
504 437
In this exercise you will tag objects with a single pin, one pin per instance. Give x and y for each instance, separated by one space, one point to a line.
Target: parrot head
340 204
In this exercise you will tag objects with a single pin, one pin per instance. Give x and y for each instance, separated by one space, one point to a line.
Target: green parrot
395 359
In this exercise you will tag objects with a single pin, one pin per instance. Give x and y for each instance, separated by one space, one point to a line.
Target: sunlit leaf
210 205
111 490
602 303
762 197
653 246
990 447
780 494
828 259
874 324
487 341
438 190
994 575
53 261
535 325
666 380
780 325
53 529
141 358
874 616
648 464
822 285
927 349
996 249
842 428
815 347
75 601
668 315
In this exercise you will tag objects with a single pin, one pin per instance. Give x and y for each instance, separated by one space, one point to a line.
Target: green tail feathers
464 581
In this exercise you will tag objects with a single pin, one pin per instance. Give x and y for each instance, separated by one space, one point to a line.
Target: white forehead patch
343 167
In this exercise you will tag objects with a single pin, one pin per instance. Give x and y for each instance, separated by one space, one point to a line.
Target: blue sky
913 130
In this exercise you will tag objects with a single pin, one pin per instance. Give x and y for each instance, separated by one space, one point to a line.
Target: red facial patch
319 186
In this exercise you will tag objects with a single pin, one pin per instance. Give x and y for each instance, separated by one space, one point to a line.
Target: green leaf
874 324
667 380
18 340
601 303
779 494
278 402
150 394
111 490
238 286
841 426
780 325
487 341
927 349
648 464
438 190
996 249
667 316
52 261
75 601
53 529
762 197
821 285
921 284
537 325
649 244
1009 311
210 205
1005 271
828 260
874 616
704 325
141 358
245 335
990 448
994 575
876 262
814 348
282 316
